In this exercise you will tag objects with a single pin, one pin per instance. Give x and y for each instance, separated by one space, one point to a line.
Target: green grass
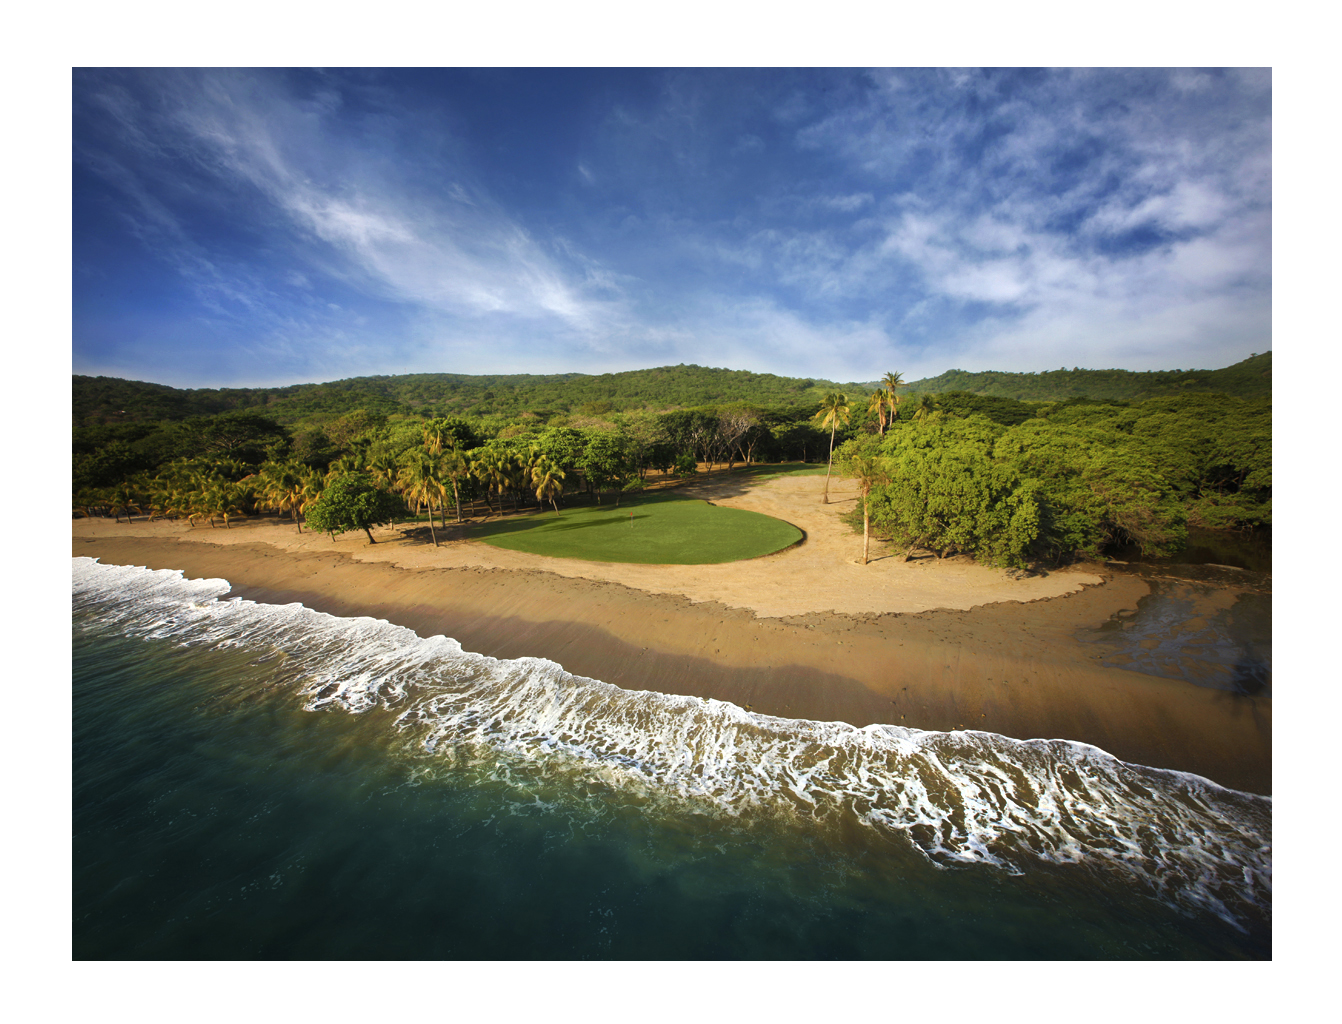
667 529
759 474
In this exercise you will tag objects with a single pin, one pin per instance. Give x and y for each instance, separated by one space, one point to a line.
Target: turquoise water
254 781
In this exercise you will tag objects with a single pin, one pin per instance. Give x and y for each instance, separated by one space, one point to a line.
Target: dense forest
1068 482
100 400
497 396
1007 480
1251 378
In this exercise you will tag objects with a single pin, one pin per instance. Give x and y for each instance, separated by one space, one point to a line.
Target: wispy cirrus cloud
824 223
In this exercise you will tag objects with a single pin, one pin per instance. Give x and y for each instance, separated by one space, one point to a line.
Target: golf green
656 529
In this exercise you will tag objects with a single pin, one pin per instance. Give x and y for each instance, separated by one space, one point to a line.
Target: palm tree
491 471
230 499
124 498
310 486
435 434
281 488
876 402
870 471
515 475
891 381
834 412
927 405
421 481
341 466
455 467
548 479
383 469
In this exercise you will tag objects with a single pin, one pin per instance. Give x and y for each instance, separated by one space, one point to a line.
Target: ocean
258 781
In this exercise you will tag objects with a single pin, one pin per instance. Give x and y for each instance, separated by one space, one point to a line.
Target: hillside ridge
113 399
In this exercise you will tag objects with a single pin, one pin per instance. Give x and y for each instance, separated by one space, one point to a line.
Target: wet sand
934 644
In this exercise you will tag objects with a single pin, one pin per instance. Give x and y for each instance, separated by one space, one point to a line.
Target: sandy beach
807 633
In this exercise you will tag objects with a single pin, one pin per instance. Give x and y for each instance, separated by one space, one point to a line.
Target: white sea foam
959 798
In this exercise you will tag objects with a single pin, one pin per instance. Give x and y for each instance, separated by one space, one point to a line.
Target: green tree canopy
947 492
353 502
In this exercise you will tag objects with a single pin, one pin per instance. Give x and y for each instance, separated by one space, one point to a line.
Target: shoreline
1011 666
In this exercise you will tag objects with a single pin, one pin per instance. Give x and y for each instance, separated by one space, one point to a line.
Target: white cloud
450 250
954 221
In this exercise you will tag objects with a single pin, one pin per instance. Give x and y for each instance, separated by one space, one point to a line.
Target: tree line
1064 483
215 469
551 398
1008 481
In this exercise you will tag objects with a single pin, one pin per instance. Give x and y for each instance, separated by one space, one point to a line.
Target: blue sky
235 228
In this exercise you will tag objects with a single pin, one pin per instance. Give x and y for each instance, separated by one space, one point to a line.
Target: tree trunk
431 533
370 532
556 505
456 498
831 461
866 528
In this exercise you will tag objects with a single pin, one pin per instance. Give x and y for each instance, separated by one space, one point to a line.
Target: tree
947 490
450 432
455 467
685 465
230 500
344 466
861 459
421 481
489 466
353 502
876 403
244 436
605 463
834 412
281 487
125 499
548 479
383 468
891 381
927 407
734 424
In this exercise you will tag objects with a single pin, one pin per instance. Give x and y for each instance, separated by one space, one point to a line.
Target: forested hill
111 400
1251 378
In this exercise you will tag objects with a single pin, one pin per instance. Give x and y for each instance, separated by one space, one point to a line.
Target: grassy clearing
661 528
758 474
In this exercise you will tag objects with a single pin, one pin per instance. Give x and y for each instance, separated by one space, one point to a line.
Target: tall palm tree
548 479
891 381
229 500
834 412
124 499
435 437
383 469
870 471
490 470
274 485
455 467
876 402
310 490
421 481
